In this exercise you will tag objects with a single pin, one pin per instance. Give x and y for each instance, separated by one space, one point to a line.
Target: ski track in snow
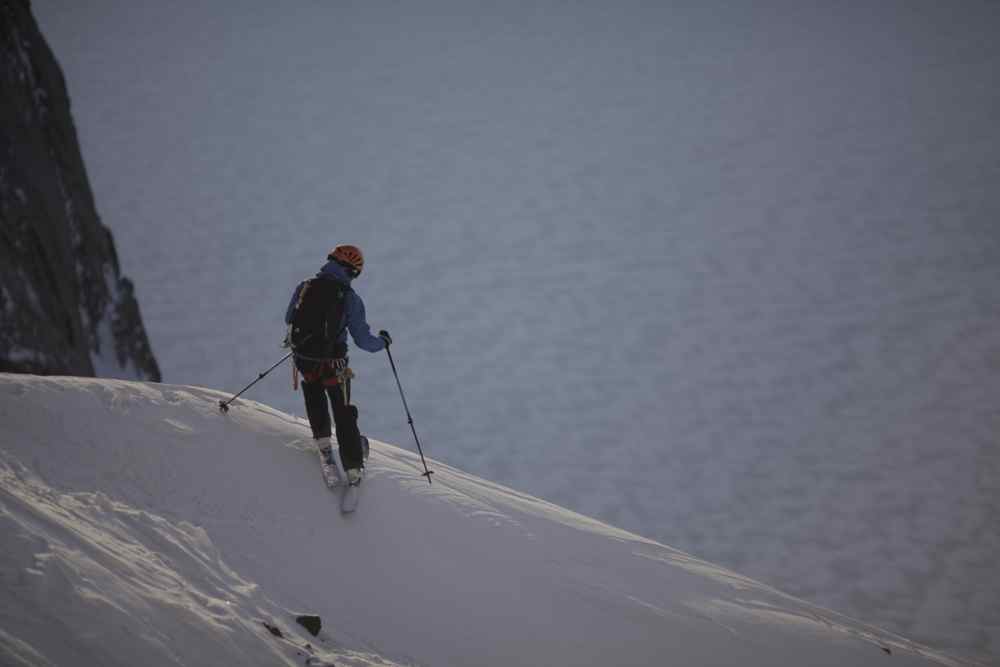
134 541
90 579
94 581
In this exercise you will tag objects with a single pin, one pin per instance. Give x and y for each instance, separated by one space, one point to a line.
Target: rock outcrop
65 308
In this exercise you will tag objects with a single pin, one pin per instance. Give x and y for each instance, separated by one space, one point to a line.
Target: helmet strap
351 271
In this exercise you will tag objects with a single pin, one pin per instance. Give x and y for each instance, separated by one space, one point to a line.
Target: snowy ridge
141 526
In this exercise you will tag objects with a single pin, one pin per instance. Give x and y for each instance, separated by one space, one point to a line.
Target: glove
384 335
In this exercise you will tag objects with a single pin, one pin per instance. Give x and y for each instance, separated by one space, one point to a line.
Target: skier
321 312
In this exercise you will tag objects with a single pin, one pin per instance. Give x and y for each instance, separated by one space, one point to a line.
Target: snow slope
142 526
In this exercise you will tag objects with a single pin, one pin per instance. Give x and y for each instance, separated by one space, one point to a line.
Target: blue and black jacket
353 319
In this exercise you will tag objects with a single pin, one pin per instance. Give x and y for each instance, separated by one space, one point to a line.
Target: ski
336 477
330 470
349 497
352 490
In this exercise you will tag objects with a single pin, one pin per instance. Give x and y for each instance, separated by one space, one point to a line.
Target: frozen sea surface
723 275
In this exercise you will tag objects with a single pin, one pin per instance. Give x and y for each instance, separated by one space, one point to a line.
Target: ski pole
427 473
224 405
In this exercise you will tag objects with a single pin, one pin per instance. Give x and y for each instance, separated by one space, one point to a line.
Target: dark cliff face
65 308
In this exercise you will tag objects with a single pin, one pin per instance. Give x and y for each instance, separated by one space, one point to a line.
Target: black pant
345 418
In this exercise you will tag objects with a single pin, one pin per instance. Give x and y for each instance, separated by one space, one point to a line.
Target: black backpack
318 320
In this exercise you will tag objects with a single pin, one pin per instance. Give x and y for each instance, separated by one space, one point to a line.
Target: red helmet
350 256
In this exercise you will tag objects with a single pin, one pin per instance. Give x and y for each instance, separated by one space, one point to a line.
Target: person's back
321 312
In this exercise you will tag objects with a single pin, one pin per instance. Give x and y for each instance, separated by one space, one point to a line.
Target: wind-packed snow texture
722 274
143 526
